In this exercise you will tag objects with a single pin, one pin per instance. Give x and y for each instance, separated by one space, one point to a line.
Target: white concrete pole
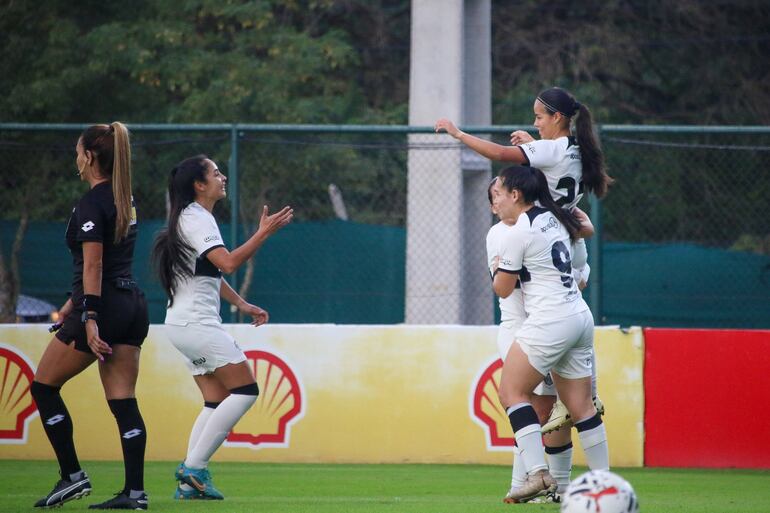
447 216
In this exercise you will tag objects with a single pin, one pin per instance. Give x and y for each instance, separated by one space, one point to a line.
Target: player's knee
40 391
250 391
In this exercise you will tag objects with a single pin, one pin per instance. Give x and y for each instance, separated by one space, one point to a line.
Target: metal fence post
232 183
595 247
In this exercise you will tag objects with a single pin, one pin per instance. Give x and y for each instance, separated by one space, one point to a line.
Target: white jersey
197 298
559 160
537 248
511 307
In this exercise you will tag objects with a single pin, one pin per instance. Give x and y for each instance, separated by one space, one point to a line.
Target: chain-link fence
382 214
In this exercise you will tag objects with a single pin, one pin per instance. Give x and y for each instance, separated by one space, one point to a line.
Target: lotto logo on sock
55 419
280 404
18 406
485 408
131 434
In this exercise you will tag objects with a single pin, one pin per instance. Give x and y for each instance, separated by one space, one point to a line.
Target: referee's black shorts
123 318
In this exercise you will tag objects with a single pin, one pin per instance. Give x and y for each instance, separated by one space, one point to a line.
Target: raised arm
229 261
488 149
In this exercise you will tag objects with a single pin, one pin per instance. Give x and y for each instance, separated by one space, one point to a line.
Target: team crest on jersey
281 403
18 406
88 226
486 410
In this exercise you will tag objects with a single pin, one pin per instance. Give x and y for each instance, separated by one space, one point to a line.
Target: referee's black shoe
123 500
66 490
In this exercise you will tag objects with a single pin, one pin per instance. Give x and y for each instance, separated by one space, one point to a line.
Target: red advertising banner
707 398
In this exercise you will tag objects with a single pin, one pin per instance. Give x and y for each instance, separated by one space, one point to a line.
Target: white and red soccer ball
599 491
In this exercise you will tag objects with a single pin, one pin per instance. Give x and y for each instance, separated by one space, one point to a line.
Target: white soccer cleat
560 416
541 483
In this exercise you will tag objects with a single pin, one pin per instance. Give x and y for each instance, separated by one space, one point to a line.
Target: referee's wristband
92 303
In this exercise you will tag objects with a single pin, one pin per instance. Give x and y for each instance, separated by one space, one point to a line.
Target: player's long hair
171 252
112 148
532 184
595 177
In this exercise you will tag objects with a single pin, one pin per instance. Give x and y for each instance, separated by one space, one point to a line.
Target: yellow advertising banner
328 393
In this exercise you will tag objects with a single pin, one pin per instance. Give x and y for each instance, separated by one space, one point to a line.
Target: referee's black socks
58 426
133 439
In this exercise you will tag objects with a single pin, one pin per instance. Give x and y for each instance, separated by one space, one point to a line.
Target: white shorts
506 334
563 345
206 347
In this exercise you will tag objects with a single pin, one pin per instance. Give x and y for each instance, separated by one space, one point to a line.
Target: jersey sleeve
544 153
491 249
512 248
202 233
92 221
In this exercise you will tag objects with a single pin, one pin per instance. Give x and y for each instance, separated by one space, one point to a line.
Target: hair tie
577 107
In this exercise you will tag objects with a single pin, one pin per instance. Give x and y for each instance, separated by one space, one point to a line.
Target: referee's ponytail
532 184
170 252
112 147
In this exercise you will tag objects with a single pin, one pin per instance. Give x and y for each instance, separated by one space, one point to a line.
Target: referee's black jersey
93 220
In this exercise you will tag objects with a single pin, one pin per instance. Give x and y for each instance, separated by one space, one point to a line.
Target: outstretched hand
269 224
447 126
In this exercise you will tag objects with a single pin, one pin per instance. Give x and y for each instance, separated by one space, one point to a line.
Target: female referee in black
105 319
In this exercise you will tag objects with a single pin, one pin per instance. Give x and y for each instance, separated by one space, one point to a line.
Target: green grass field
261 487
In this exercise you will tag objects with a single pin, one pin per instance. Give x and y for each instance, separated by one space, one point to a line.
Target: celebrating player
557 335
512 314
191 256
571 165
105 319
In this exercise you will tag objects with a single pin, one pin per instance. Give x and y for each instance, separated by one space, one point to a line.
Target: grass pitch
267 487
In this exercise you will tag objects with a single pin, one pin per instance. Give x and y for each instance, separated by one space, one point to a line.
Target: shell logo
17 407
279 405
485 408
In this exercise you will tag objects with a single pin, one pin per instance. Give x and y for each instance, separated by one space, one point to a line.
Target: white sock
529 436
560 465
216 429
519 473
198 426
593 439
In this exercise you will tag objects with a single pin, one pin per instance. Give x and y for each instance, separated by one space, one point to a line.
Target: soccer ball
599 491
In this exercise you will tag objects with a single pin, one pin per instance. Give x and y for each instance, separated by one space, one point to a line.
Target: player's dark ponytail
595 177
532 184
171 252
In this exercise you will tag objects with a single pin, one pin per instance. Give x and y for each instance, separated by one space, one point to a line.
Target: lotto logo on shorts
485 408
18 406
279 406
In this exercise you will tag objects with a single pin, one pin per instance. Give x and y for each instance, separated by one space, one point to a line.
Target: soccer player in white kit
512 316
557 335
571 165
190 256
